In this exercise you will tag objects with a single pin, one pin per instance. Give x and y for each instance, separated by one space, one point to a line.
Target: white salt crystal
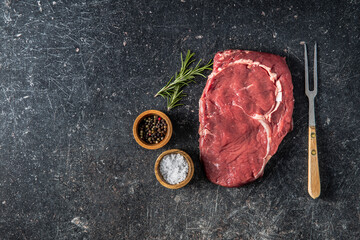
174 168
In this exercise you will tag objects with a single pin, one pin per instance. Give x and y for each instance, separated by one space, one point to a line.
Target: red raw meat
245 112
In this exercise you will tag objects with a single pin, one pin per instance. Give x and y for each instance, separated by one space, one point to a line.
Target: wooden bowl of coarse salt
174 168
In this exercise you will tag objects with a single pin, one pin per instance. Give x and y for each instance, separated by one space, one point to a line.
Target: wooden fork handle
313 165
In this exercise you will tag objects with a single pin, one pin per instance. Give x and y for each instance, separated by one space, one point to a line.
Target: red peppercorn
159 118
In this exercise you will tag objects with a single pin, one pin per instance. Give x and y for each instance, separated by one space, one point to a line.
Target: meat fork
313 165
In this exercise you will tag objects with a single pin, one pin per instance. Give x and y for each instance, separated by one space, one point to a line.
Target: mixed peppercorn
152 129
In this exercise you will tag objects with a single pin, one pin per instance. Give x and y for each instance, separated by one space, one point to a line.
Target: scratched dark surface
74 76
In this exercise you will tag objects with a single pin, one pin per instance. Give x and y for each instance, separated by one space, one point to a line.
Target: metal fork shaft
311 94
311 111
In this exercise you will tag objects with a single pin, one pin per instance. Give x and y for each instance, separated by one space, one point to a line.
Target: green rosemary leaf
175 98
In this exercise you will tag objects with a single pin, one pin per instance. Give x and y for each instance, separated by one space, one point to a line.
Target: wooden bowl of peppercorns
152 129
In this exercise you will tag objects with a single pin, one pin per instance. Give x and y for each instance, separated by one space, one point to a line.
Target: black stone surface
74 76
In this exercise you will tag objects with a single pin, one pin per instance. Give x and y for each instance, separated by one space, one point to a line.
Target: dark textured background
74 76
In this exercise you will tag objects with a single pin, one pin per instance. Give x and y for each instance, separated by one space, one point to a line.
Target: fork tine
306 70
315 69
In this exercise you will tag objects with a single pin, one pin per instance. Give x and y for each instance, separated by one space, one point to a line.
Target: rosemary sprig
172 90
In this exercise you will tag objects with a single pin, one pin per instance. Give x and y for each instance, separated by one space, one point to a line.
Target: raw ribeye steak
245 112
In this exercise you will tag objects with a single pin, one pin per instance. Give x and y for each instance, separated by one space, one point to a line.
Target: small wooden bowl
160 178
156 145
